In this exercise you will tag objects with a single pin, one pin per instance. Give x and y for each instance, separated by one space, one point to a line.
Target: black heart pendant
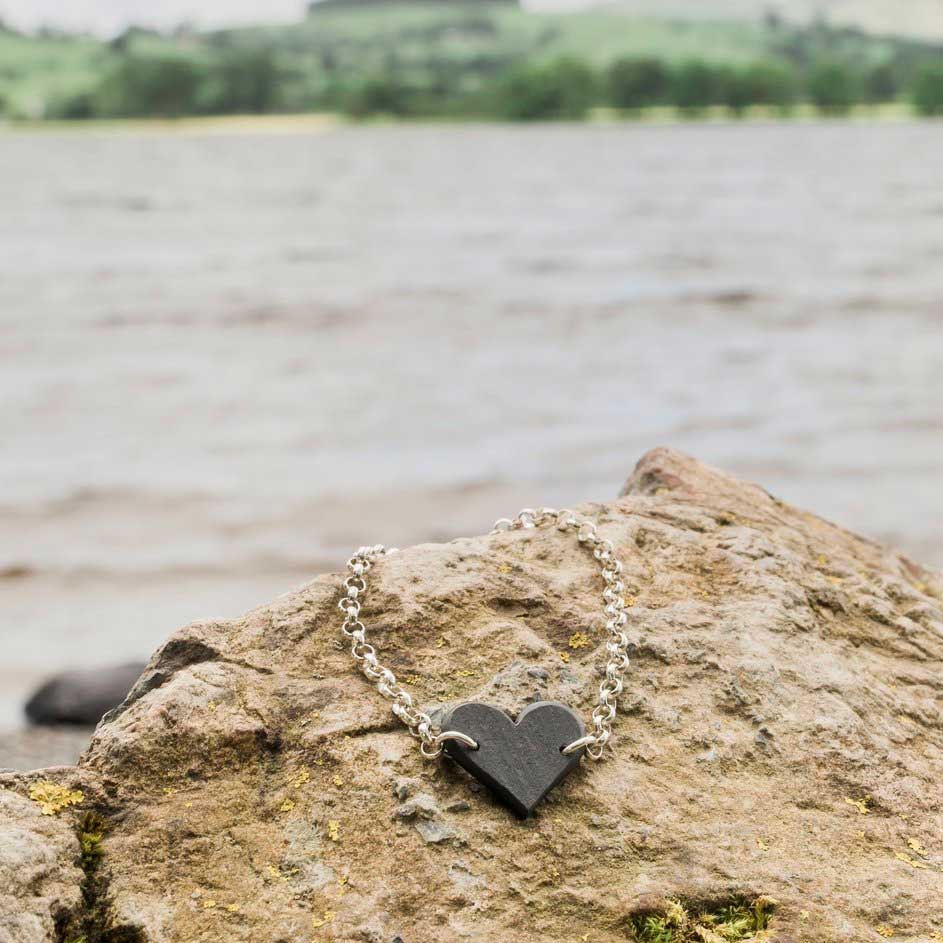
520 762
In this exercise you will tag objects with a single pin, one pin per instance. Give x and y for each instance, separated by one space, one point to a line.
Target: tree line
253 80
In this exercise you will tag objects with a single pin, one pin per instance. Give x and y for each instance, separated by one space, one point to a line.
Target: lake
228 359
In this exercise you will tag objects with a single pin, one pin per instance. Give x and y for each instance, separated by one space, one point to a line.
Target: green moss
95 922
91 835
688 922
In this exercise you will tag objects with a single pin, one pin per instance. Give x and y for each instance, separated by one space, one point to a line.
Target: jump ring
457 735
578 744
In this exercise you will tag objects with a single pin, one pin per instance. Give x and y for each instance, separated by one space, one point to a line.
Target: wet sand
228 359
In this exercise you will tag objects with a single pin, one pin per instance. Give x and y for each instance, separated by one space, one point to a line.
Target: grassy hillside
453 58
34 72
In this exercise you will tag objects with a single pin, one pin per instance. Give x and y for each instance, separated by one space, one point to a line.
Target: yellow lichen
565 657
916 845
884 930
908 859
334 830
337 781
578 640
504 568
282 873
328 916
860 804
299 779
52 798
209 904
762 845
233 908
286 806
440 642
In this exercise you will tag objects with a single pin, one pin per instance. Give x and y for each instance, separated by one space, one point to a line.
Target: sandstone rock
780 736
39 875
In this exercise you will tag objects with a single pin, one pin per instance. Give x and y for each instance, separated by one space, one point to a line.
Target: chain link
418 722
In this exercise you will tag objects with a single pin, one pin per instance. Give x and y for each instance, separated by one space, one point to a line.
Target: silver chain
418 722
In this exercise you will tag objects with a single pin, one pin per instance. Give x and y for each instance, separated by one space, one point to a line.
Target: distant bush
882 83
733 90
768 83
637 83
79 106
696 85
140 86
927 92
378 95
242 81
834 87
565 88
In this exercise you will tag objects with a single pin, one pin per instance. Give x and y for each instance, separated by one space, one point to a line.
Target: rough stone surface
39 877
781 734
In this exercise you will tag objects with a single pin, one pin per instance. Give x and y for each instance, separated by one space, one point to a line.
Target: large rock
780 737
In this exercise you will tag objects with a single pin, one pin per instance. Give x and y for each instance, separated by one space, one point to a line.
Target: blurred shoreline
41 747
319 122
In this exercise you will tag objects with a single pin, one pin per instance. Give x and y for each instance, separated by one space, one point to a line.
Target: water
227 360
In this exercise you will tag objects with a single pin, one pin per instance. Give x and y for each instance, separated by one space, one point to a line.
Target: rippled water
228 359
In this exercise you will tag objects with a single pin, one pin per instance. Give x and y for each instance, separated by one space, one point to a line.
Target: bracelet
520 761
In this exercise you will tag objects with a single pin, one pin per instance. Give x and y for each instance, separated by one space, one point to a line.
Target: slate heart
520 762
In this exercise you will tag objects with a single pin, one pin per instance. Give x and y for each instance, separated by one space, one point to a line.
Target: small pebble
434 833
763 737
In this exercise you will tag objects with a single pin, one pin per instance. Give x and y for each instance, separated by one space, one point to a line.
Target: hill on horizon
450 57
915 19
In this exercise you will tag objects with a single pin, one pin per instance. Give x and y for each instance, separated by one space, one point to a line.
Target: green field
426 59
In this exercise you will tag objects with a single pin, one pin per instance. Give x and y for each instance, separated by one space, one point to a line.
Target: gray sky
111 16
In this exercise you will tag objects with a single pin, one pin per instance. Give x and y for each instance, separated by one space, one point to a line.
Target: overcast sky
111 16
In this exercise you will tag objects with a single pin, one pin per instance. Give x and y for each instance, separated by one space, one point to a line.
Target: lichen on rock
780 738
53 798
